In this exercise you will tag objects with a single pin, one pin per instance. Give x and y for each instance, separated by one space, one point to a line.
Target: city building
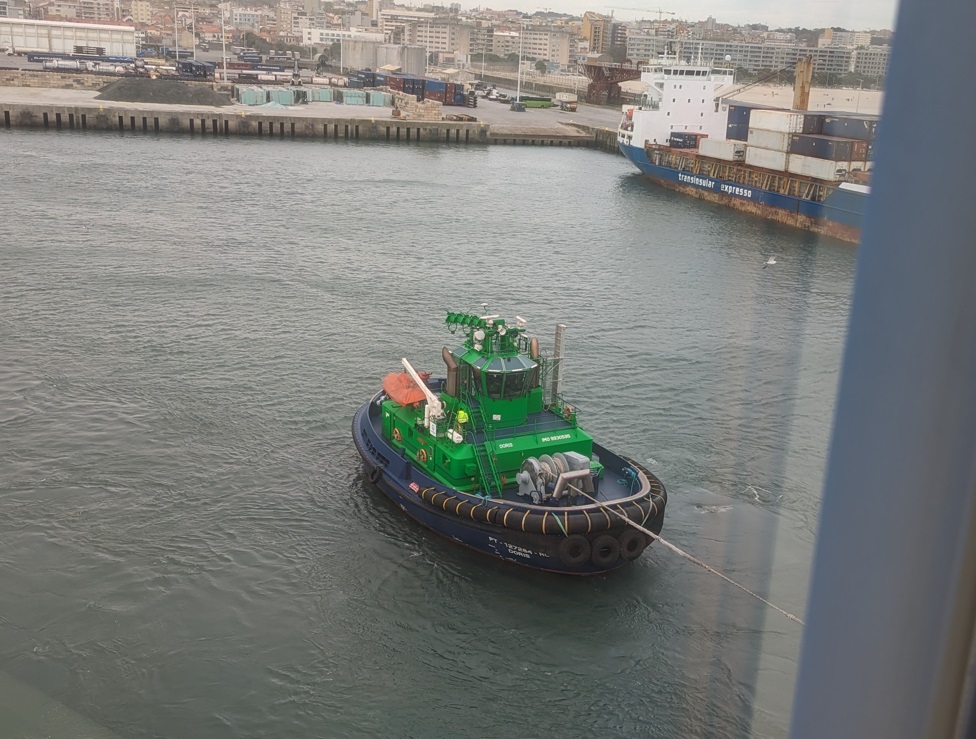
327 36
830 37
871 61
14 9
141 11
51 36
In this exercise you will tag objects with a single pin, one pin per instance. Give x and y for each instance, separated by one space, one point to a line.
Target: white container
821 169
567 97
767 158
776 120
764 139
729 151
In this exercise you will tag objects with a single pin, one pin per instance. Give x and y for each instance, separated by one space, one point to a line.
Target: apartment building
830 37
871 61
141 11
13 9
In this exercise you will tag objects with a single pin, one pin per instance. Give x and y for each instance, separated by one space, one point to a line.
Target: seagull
771 260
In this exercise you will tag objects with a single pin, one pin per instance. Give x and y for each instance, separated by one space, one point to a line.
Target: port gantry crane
660 13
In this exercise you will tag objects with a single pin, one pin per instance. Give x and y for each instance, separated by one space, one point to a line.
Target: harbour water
187 544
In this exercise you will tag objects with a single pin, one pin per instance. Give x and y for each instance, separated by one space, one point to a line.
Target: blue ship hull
839 216
431 504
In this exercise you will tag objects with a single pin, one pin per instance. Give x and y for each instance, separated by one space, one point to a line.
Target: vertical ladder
491 483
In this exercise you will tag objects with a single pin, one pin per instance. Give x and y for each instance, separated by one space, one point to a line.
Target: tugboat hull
578 540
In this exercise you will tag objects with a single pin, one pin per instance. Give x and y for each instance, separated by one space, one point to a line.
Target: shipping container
739 114
859 150
436 86
767 158
431 95
821 169
784 121
763 139
851 127
368 78
395 82
822 147
813 122
729 151
737 131
684 139
460 98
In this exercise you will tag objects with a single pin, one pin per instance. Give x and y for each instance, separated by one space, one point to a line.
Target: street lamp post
176 32
223 44
518 72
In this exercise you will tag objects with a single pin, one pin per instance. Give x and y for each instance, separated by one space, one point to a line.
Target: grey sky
856 15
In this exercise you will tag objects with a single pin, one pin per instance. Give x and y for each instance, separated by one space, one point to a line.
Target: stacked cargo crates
435 90
248 95
737 128
803 143
686 139
353 97
728 151
378 98
281 95
320 94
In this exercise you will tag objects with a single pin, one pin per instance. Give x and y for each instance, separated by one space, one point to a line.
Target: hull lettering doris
494 458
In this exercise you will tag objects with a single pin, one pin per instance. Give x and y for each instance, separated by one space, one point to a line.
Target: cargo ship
810 170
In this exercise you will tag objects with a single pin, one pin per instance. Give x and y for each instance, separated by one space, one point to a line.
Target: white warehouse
23 36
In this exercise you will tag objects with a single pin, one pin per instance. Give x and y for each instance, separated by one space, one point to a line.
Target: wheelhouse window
515 384
494 384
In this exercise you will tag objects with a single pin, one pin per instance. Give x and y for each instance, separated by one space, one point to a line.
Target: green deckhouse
498 406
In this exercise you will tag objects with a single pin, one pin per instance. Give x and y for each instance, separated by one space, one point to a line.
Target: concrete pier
213 122
77 109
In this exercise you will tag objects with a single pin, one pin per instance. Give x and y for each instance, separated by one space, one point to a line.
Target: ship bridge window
494 383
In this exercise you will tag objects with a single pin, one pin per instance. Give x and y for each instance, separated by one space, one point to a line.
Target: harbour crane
660 13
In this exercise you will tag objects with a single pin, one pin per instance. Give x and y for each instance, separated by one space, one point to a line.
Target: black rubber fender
632 543
374 475
606 550
574 550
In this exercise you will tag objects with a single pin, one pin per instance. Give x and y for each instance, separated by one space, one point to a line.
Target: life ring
374 475
574 550
632 543
422 456
567 412
606 550
397 436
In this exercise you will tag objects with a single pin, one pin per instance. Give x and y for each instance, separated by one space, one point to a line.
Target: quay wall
209 121
212 123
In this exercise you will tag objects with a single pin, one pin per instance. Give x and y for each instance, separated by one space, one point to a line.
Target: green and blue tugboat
493 457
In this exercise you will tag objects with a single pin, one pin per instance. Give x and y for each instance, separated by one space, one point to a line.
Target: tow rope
681 553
